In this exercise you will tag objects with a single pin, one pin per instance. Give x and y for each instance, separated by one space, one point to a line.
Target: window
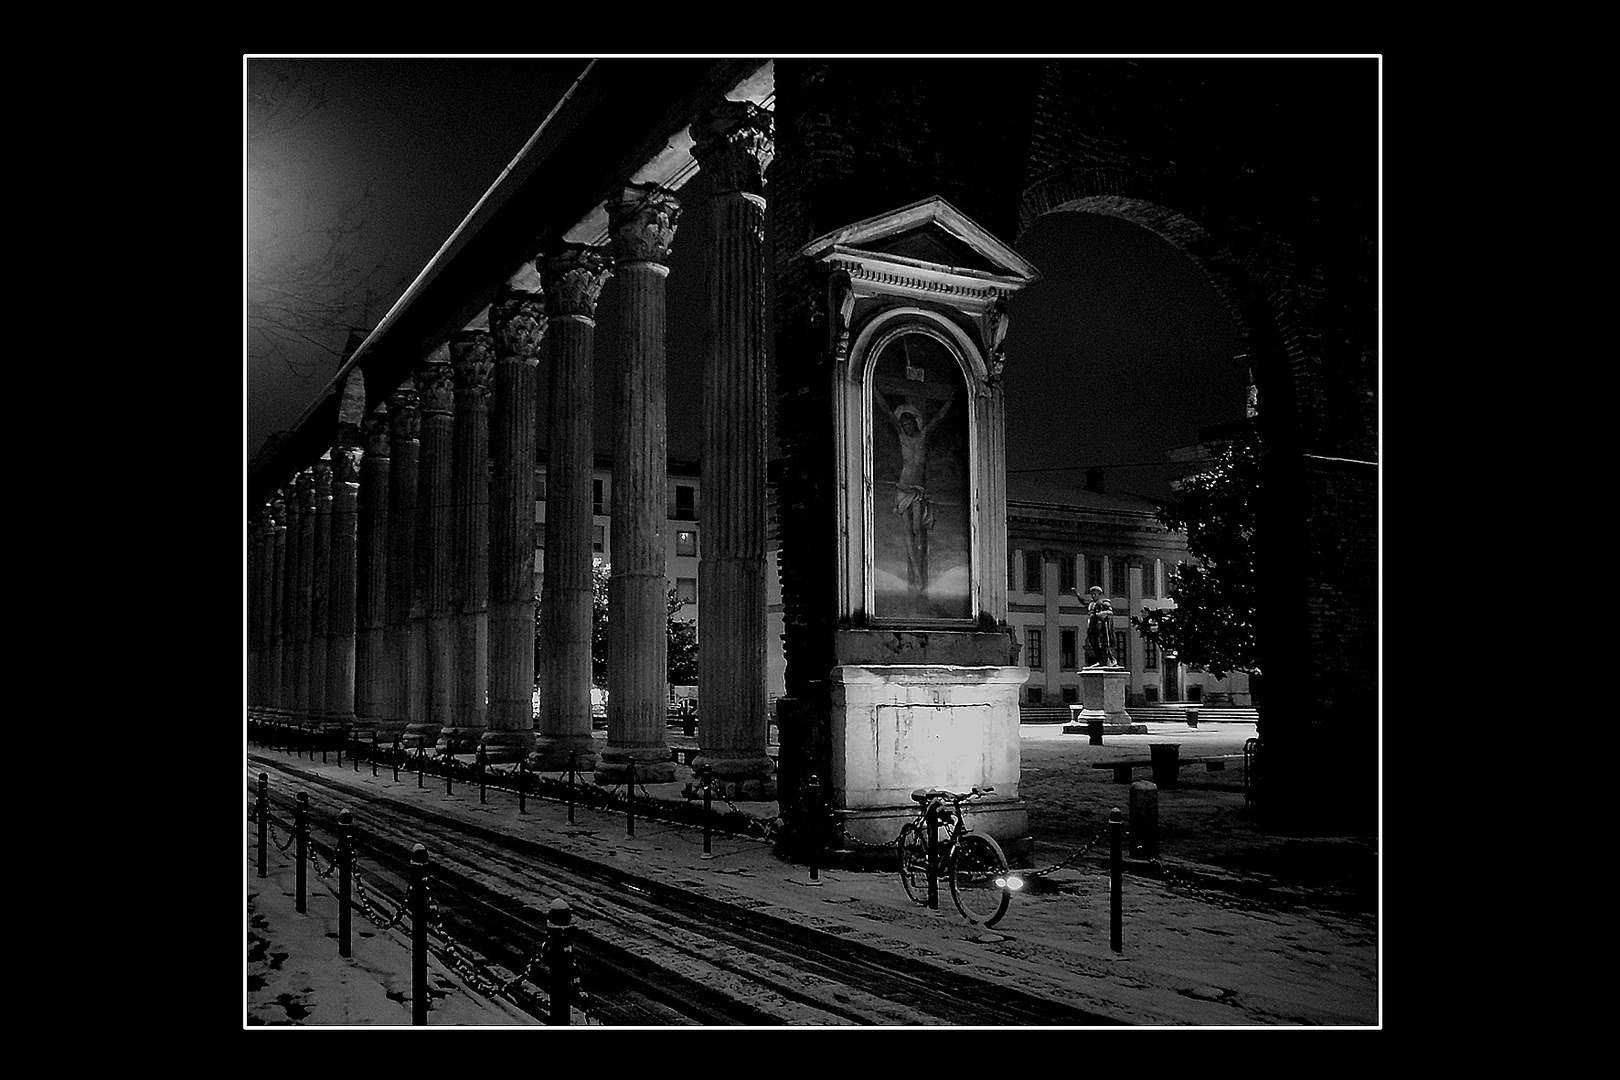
1071 695
1169 578
1036 695
686 590
1034 580
685 502
1012 571
1066 580
685 542
1150 655
1068 639
1033 647
1121 576
1094 571
598 498
1151 693
1122 655
540 485
1150 578
599 538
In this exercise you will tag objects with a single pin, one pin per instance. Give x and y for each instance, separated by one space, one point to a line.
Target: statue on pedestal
1099 627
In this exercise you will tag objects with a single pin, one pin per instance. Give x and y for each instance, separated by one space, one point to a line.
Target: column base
751 777
652 766
558 753
506 747
459 740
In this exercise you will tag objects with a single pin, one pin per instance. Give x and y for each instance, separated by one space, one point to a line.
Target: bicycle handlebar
926 795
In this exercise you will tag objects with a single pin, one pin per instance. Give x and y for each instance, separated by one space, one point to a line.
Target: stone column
735 151
371 668
320 590
407 665
573 281
304 596
642 223
472 356
432 619
277 699
340 662
517 322
255 613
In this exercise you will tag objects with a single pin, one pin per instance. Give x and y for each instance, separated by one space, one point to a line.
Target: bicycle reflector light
1010 882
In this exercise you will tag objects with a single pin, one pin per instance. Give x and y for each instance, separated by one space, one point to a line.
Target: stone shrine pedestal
1102 697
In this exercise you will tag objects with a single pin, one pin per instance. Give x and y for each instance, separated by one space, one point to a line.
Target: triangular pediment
929 233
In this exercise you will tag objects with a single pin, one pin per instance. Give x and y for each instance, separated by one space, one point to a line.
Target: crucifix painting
921 493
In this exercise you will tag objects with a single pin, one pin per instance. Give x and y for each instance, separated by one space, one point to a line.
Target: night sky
1121 351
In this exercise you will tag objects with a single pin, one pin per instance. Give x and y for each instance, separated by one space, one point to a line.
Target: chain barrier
314 847
370 910
1055 867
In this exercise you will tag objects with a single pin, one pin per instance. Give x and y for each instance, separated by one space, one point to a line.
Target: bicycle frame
941 831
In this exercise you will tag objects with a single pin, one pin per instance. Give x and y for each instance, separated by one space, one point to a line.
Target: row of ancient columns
391 583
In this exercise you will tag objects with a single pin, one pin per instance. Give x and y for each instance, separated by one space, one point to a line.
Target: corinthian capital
433 384
404 413
345 466
735 147
517 320
573 280
323 477
472 354
642 223
375 430
306 491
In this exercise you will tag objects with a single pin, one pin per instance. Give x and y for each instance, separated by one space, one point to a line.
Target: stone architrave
432 618
517 322
472 355
573 280
642 224
735 149
320 591
407 682
299 638
371 676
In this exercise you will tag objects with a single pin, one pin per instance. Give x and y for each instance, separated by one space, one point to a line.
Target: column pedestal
1102 697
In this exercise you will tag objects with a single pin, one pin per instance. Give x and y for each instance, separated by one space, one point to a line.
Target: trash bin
1166 761
1192 717
1094 729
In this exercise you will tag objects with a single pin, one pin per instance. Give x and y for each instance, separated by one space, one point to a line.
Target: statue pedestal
1102 696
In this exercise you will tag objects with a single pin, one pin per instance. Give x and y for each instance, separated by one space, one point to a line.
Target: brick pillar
432 621
298 638
472 354
407 681
573 281
642 223
340 610
735 151
517 322
319 592
371 674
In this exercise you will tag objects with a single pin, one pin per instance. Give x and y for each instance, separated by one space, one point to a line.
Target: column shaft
431 612
573 281
340 644
406 702
305 593
371 579
517 324
278 556
473 359
320 591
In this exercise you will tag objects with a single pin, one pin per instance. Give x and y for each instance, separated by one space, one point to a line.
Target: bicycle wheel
914 862
978 875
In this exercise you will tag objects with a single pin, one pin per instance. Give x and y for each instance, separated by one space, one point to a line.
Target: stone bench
1122 769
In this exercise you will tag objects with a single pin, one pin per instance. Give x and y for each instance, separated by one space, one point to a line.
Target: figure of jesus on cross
911 489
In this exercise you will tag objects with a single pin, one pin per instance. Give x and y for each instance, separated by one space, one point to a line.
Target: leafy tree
1212 625
682 661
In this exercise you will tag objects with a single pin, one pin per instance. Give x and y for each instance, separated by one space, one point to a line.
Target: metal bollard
264 823
395 756
571 756
343 736
482 760
376 749
301 830
630 802
932 816
449 770
419 947
560 962
1116 874
421 763
706 816
812 797
523 787
345 862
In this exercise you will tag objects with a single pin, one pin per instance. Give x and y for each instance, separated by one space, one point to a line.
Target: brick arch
1251 267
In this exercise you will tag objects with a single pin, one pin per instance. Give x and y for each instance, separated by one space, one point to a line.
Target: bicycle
980 881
